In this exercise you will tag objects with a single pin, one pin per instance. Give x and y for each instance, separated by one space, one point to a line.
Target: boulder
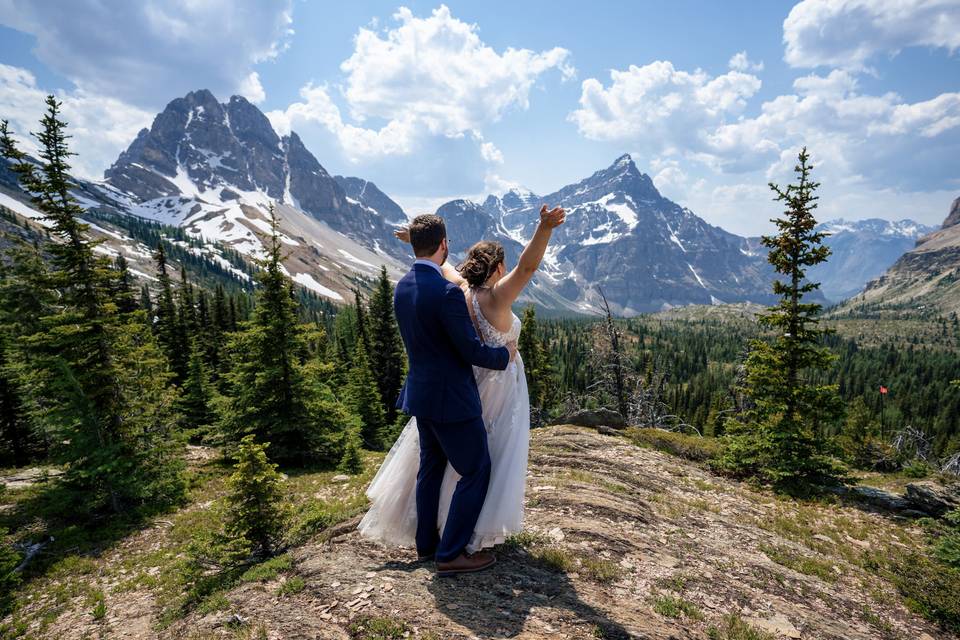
879 498
933 498
594 418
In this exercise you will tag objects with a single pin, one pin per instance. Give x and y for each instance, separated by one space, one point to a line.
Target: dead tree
648 406
609 361
913 443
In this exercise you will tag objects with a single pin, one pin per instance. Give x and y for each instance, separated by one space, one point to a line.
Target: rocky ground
621 541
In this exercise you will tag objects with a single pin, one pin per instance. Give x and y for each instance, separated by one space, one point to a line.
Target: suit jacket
442 348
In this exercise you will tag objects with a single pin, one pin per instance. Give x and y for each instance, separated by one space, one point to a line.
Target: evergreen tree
25 298
255 515
145 302
273 398
386 355
100 382
781 437
533 358
123 294
168 328
196 398
363 399
363 332
352 460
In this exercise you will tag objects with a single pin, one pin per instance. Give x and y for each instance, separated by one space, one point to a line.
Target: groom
440 391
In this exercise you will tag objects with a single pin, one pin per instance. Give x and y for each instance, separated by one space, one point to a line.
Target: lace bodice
490 334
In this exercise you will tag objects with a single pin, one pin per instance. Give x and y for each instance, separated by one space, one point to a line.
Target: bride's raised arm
509 288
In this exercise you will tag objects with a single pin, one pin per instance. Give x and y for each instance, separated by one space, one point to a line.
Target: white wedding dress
392 517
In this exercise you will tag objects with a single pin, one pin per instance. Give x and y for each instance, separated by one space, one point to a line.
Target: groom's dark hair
426 234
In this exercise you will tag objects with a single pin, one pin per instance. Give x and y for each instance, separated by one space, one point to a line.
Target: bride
490 291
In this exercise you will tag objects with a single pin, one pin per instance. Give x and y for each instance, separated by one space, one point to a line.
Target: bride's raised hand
402 234
552 218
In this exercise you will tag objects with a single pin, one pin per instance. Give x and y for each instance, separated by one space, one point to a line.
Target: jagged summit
201 156
646 252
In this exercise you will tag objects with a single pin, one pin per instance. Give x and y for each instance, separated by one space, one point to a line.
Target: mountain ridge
925 277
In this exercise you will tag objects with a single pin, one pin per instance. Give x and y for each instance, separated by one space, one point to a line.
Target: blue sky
434 101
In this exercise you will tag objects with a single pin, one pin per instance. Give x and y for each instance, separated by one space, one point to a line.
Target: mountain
646 252
862 251
926 277
366 194
213 170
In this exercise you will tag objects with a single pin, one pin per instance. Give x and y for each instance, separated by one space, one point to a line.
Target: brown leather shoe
467 563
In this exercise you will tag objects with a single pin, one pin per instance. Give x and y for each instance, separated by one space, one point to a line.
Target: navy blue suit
441 392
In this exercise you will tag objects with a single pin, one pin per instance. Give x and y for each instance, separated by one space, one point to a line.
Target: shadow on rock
496 603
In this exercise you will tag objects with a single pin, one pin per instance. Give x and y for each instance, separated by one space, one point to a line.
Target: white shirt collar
429 263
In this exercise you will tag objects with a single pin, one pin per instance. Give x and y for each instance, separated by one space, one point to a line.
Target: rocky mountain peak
199 150
953 218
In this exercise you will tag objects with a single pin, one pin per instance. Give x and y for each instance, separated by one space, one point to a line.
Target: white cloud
669 178
251 89
100 127
427 77
357 143
672 113
660 108
145 53
848 33
740 62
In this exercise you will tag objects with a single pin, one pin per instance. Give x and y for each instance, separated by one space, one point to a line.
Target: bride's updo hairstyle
481 262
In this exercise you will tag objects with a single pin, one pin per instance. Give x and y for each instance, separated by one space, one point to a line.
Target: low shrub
690 447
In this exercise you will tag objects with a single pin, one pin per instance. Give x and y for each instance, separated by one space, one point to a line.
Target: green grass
377 629
294 585
733 627
688 447
267 570
800 562
99 611
671 606
929 588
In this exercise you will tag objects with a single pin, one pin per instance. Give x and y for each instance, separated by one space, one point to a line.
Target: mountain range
214 169
927 277
861 251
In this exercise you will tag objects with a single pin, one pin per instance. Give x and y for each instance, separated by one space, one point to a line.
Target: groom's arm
456 322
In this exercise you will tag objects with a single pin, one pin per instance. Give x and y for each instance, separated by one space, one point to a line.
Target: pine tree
272 396
363 332
386 355
168 328
123 295
363 399
533 358
196 398
25 298
100 383
255 515
781 438
352 460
